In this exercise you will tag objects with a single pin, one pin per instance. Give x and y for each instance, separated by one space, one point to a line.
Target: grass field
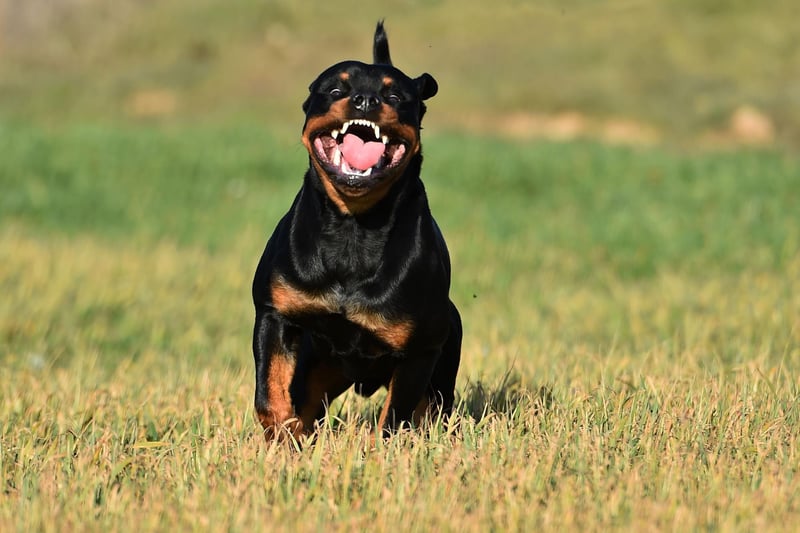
630 360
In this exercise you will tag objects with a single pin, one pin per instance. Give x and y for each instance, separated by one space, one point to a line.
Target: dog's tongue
361 155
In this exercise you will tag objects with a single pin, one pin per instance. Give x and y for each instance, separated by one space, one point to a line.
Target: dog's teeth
337 157
358 122
385 139
368 172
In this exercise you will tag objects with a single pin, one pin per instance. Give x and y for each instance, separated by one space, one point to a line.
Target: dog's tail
380 47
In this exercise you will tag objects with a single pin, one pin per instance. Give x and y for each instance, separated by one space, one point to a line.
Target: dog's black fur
353 286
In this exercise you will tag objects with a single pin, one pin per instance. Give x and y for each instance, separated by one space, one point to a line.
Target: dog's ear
426 86
308 100
380 46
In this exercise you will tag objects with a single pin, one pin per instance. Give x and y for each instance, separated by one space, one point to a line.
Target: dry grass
550 432
631 355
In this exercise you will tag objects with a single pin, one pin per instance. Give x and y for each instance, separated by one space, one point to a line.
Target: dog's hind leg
443 380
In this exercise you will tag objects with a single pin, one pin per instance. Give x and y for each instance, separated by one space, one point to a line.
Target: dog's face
362 128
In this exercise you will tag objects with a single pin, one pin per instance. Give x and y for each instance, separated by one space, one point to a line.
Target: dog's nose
365 102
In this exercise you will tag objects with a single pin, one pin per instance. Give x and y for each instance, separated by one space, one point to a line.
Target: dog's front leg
275 351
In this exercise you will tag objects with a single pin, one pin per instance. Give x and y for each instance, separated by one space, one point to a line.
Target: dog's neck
375 214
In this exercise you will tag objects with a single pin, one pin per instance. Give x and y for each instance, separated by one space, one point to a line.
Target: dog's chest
339 315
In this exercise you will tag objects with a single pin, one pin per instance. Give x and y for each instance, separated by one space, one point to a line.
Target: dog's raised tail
380 47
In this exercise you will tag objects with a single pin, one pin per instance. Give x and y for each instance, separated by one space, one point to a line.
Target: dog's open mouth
358 154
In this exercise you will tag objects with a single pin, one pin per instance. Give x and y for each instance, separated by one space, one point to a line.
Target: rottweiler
352 289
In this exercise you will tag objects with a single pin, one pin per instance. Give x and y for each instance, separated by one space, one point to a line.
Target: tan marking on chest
395 333
290 300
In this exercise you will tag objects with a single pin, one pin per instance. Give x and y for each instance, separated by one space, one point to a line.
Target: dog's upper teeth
359 122
385 139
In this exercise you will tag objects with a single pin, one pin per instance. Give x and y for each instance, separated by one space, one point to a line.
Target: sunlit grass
182 451
630 360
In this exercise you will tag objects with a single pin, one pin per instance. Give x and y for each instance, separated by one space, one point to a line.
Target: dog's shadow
477 400
508 397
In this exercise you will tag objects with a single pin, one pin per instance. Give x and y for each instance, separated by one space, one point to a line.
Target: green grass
630 359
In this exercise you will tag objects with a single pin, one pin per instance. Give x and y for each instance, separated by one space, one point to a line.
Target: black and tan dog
352 288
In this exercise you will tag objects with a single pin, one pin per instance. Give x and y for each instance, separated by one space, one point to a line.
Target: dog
352 289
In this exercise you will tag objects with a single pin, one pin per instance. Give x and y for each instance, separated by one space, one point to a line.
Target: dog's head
362 126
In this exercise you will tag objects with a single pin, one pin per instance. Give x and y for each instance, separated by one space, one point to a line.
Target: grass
631 315
630 360
712 453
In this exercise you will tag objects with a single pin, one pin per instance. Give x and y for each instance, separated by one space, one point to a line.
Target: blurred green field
630 358
631 310
529 224
632 70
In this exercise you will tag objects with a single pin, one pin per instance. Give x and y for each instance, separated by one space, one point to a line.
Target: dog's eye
336 92
393 98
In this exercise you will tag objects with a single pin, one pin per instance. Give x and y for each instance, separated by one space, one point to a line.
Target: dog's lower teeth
337 156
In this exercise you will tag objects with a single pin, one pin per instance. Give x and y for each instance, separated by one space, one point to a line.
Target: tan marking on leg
280 419
385 411
422 410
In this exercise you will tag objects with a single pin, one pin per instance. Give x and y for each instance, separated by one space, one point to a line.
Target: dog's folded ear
380 46
426 86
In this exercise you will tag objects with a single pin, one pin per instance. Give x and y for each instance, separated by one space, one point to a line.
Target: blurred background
708 72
